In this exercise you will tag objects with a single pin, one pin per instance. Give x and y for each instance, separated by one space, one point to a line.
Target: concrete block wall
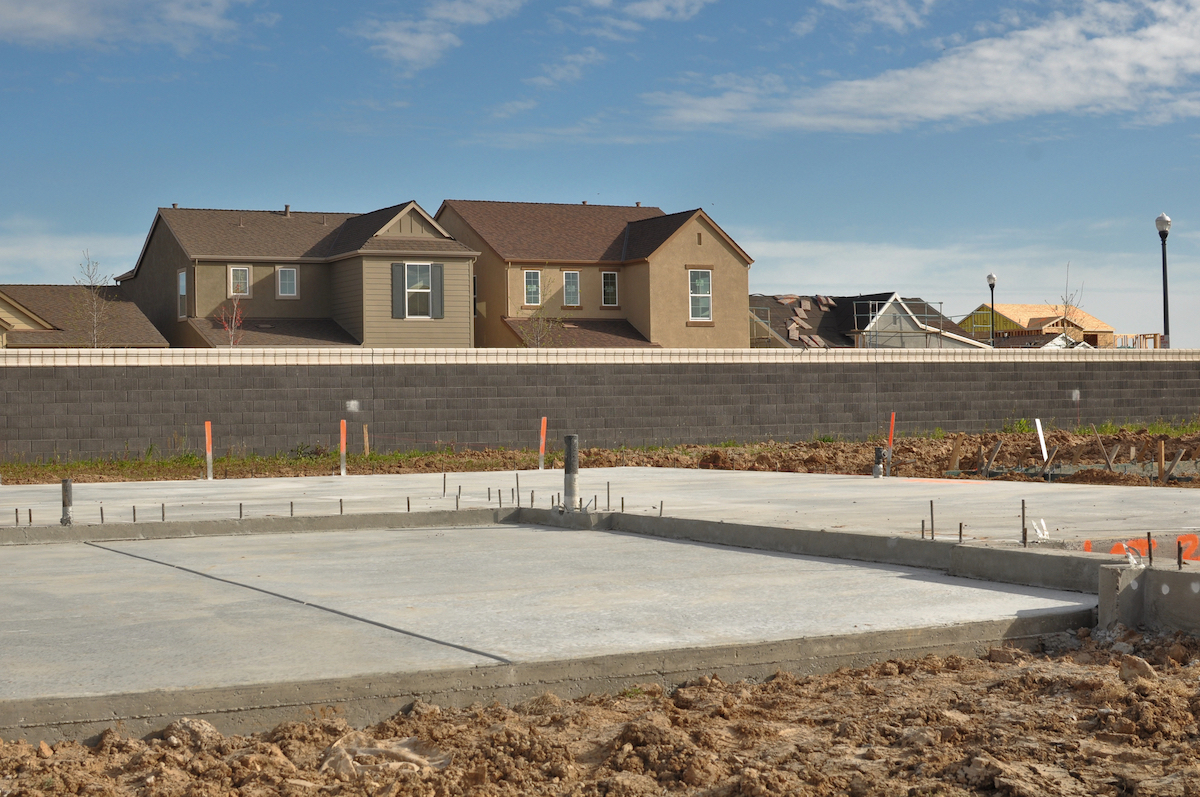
88 403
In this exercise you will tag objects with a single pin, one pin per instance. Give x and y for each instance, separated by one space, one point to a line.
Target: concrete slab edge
171 529
1075 571
368 699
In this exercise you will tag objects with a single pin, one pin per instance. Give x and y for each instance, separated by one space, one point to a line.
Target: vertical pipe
608 496
67 503
102 514
208 447
239 511
1166 343
164 512
571 472
960 532
341 507
408 501
366 442
1150 548
931 520
134 515
542 447
443 485
1024 530
1179 554
343 446
291 508
622 504
922 528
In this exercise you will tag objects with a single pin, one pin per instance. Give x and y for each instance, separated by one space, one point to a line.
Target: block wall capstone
108 410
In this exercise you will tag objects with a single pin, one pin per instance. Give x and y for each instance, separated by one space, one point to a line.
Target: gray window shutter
399 292
436 304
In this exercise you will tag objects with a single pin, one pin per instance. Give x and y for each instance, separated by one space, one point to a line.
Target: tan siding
411 224
453 331
17 319
490 329
347 293
153 290
313 289
669 298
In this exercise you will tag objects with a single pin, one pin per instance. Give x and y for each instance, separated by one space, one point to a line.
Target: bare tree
544 328
93 305
231 319
1069 305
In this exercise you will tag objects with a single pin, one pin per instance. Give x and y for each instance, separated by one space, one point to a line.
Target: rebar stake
291 508
1179 554
960 532
922 528
164 513
239 511
931 520
341 507
102 514
408 500
1150 548
1024 530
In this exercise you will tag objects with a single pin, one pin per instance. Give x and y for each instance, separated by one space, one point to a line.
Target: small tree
544 328
1069 304
93 305
231 319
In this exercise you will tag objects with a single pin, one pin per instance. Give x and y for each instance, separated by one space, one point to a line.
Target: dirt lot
1082 717
913 456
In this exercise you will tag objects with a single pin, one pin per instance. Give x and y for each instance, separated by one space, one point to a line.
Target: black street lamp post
1163 223
991 278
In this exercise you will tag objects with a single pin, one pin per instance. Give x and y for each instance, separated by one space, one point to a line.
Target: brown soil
912 456
1081 718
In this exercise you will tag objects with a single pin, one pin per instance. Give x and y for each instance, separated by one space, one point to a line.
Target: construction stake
1150 548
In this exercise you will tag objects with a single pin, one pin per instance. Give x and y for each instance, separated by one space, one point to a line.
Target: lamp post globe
1163 224
991 280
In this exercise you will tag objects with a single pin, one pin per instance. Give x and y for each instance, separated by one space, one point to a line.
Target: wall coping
363 356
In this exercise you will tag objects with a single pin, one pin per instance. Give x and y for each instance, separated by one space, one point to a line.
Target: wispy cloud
419 43
180 23
1110 57
31 252
505 110
568 69
899 15
666 9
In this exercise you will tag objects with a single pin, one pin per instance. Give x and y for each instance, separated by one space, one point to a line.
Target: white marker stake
1041 437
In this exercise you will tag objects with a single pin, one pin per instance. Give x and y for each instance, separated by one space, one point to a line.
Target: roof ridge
551 204
279 212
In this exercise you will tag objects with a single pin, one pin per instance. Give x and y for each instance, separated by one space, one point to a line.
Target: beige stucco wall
456 330
590 291
153 290
489 326
670 304
313 288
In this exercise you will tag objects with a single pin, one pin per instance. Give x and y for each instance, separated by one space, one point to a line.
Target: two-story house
602 275
389 278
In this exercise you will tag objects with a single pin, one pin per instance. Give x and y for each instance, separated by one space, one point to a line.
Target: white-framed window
239 281
286 283
608 288
181 293
419 291
571 288
700 293
533 288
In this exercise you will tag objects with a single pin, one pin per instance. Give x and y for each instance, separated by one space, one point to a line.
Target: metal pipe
571 472
1166 341
67 503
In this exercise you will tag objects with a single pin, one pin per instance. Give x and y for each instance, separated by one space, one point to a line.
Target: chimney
287 211
174 204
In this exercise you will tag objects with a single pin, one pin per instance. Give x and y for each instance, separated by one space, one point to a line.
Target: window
285 283
699 239
181 301
571 288
533 288
417 290
700 289
239 281
608 289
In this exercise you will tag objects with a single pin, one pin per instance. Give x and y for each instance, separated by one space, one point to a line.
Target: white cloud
31 253
63 22
806 24
513 108
899 15
1121 288
568 69
1110 57
666 9
419 43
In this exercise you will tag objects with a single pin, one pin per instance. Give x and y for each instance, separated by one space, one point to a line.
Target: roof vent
287 211
585 201
174 204
322 219
639 204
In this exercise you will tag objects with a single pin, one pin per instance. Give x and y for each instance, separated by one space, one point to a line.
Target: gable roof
276 332
209 234
1039 316
544 231
62 307
585 333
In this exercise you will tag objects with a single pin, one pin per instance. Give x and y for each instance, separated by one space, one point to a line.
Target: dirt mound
1090 714
1101 476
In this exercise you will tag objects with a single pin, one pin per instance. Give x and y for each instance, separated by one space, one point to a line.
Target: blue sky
849 145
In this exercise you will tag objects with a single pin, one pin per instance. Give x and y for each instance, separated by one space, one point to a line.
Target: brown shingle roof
643 237
277 332
542 231
63 306
230 234
586 333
